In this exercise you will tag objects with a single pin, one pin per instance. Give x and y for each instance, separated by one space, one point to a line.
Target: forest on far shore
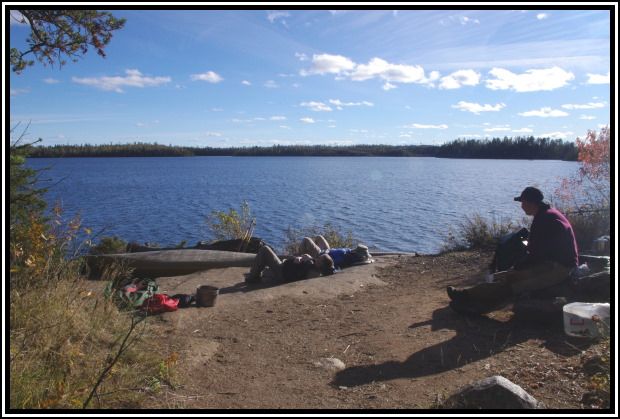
529 148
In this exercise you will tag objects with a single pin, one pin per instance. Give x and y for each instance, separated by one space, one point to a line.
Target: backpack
185 300
159 303
510 250
133 294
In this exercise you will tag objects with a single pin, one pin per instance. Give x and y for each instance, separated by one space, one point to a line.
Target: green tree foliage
59 34
25 198
509 148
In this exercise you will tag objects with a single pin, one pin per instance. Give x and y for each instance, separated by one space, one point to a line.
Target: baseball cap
530 194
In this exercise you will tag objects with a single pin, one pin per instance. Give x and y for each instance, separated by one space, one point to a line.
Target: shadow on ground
477 338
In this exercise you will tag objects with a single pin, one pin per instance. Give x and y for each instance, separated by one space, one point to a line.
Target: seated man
551 255
291 269
342 257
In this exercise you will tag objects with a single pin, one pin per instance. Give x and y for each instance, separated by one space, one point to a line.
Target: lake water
388 203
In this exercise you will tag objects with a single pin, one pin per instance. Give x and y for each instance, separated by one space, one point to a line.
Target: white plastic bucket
589 320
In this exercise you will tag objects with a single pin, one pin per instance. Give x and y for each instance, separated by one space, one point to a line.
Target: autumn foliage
585 197
591 185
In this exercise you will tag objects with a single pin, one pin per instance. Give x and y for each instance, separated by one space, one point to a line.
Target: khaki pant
313 247
266 257
511 283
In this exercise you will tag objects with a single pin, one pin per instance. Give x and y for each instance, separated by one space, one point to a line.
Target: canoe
173 262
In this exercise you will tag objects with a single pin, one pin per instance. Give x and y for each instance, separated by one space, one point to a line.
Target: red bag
159 303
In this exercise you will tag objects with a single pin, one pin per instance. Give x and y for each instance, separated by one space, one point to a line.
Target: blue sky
264 77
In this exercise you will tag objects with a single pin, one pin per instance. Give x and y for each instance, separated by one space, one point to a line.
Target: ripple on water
405 204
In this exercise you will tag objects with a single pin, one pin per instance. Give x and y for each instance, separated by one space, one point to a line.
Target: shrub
585 196
333 236
588 225
64 335
477 232
232 224
109 245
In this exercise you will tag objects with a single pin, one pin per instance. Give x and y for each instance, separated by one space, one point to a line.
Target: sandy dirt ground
264 347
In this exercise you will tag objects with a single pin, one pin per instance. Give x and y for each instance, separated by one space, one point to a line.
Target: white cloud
316 106
328 64
545 112
209 76
271 84
590 105
285 127
133 78
344 67
213 134
246 83
422 126
278 118
541 16
434 75
339 104
272 16
460 78
216 109
530 81
497 129
557 134
598 78
378 67
50 80
307 120
464 20
477 108
470 136
16 92
587 117
301 56
523 130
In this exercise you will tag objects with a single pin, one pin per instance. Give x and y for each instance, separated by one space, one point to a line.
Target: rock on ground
494 392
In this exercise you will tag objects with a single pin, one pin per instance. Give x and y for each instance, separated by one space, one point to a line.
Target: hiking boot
455 294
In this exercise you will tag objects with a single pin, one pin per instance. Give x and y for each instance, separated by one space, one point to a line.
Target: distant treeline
506 148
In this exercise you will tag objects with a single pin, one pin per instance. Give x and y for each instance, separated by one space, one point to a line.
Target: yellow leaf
76 403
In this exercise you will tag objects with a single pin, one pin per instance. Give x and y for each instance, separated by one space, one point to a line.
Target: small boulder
330 364
494 392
